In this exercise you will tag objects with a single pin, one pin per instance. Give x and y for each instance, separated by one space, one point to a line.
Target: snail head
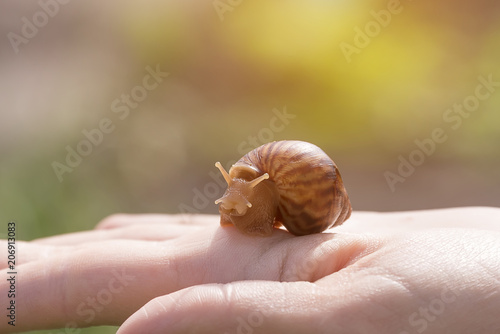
236 198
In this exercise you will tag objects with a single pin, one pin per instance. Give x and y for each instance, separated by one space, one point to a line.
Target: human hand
398 276
343 281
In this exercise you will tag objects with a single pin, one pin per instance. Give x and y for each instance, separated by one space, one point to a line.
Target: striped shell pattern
311 194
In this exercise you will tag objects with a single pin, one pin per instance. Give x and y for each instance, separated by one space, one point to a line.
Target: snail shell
290 183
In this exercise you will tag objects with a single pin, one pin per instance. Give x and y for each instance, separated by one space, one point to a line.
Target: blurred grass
226 77
90 330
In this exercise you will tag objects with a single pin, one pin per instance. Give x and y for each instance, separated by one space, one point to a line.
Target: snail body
289 183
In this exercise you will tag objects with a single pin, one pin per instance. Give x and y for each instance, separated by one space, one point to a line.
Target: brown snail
289 183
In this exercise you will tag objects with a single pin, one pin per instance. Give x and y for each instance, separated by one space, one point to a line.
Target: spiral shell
293 183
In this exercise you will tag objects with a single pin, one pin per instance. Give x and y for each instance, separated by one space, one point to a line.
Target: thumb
243 307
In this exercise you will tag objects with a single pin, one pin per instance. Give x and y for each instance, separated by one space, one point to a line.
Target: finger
90 286
106 283
149 231
244 307
25 252
121 220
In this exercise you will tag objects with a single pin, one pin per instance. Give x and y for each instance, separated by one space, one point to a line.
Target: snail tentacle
224 173
258 180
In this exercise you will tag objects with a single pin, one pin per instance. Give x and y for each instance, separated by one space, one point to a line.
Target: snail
290 183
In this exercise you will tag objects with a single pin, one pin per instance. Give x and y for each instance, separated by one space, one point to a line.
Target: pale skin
435 271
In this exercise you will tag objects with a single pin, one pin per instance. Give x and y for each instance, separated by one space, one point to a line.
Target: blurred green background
233 65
